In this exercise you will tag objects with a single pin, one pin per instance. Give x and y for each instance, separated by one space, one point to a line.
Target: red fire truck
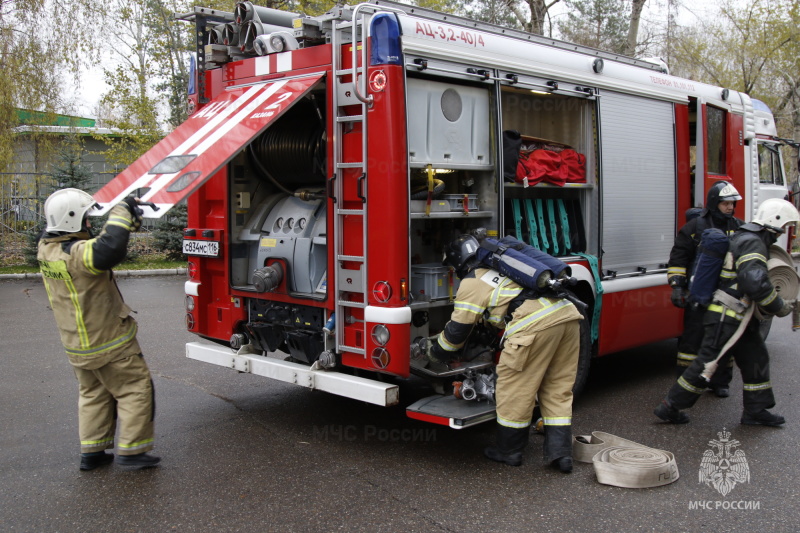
327 160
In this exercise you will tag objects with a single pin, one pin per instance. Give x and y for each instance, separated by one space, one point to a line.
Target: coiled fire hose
624 463
786 281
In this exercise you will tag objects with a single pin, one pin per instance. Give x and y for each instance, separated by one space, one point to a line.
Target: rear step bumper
366 390
452 412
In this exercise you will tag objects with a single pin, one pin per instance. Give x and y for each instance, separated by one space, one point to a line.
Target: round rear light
191 270
380 334
189 321
380 357
382 291
189 303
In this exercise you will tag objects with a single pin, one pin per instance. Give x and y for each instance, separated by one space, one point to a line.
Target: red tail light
382 291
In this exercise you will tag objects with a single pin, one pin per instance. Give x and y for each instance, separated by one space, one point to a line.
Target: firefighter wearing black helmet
540 354
718 213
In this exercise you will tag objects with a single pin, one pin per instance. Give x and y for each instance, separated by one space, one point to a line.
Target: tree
753 49
538 10
601 24
69 171
492 11
633 28
33 42
168 234
134 108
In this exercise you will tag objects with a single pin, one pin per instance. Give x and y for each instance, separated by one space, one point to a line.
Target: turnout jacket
684 251
93 320
744 273
485 294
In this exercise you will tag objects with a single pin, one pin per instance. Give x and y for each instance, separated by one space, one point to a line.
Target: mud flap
450 411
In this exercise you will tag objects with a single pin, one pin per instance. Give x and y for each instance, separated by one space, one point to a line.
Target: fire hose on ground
624 463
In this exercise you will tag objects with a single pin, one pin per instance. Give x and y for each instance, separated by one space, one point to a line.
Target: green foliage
168 234
68 171
601 24
37 49
493 12
135 116
751 48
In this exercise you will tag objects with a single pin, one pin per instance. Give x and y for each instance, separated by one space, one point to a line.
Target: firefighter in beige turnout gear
97 331
539 357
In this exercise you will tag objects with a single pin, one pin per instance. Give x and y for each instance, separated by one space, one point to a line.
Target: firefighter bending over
540 354
744 281
718 213
97 331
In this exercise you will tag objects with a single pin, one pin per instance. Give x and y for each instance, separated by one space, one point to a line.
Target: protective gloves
132 205
788 306
436 353
678 296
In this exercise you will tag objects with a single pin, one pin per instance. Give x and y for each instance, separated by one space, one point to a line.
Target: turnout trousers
546 368
689 346
750 354
118 393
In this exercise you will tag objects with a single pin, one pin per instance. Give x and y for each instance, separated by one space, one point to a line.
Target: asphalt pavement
241 453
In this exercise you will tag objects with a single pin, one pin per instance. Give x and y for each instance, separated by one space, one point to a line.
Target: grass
141 263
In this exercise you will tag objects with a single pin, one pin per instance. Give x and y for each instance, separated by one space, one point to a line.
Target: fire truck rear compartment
268 224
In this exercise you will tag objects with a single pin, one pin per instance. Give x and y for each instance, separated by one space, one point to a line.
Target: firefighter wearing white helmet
744 281
97 331
718 213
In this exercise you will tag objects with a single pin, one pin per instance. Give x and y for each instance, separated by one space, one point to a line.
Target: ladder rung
344 25
349 211
343 348
357 164
344 72
350 258
350 118
346 303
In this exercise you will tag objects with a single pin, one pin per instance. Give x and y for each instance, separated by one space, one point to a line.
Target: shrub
168 233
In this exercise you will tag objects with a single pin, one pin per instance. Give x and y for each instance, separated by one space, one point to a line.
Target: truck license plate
206 248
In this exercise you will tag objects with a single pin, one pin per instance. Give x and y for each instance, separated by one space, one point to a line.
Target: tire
584 357
764 327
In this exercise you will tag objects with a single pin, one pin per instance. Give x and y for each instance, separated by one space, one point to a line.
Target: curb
117 273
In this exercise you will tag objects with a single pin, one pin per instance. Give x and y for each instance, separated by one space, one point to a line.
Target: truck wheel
584 357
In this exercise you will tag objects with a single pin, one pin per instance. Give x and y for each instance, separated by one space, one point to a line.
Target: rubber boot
762 418
509 444
558 447
140 460
90 461
667 413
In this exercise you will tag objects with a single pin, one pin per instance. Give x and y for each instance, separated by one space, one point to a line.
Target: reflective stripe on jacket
94 321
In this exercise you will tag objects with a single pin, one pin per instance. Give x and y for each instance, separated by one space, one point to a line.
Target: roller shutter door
638 182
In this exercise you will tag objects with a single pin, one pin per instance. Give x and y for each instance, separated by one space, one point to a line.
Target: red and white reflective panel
198 148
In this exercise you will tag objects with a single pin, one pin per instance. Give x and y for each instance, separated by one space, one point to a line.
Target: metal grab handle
354 68
368 99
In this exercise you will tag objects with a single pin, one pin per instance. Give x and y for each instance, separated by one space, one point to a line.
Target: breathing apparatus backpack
707 266
520 262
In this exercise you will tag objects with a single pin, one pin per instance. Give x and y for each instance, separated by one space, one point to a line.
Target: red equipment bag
540 165
574 166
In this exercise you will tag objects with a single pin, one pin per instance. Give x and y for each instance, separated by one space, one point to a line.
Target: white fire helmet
64 210
729 194
774 214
